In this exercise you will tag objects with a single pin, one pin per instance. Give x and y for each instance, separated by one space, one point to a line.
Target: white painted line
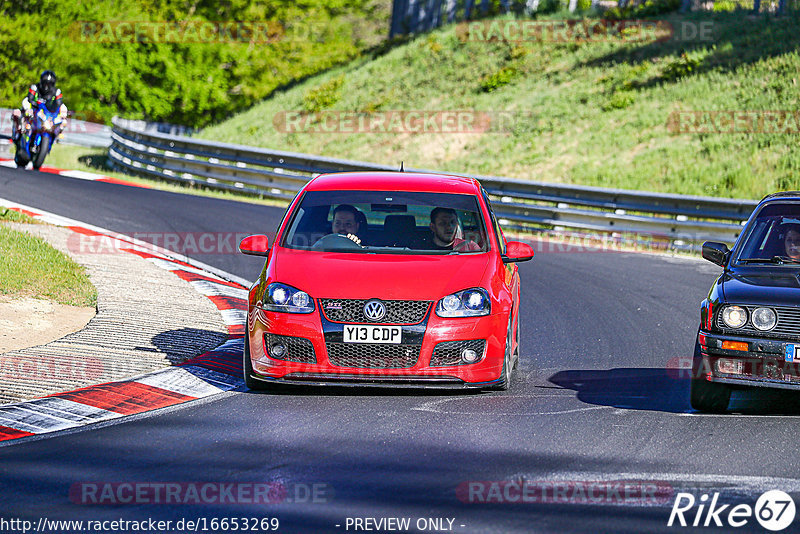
83 175
26 417
69 410
234 317
181 381
223 381
209 289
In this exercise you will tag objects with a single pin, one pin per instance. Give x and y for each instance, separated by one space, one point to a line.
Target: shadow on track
666 390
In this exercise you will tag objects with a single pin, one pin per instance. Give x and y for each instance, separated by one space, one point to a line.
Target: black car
750 323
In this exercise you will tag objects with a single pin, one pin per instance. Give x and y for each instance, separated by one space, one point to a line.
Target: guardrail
683 221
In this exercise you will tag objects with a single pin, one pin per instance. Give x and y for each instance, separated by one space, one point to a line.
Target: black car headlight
764 318
468 303
734 316
283 298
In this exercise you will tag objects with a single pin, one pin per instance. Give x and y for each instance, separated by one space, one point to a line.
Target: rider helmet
47 83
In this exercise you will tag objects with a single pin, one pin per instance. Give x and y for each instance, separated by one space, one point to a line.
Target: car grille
449 352
370 356
352 311
300 349
788 325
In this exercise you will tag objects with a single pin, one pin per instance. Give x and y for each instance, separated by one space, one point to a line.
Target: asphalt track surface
593 401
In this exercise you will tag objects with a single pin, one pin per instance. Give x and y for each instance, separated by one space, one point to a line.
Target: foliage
648 8
323 96
188 78
498 79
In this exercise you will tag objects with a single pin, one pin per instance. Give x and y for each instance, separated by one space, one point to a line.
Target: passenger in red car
445 228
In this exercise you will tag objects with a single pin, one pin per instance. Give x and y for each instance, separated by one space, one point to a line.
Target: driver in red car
445 228
347 221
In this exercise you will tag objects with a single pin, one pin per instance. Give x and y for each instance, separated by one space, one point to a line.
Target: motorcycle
38 135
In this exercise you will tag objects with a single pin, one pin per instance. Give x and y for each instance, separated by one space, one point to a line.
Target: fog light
278 350
730 367
469 356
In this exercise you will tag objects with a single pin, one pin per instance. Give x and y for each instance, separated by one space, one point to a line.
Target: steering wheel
337 241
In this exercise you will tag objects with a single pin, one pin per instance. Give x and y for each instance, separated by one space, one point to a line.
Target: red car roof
394 181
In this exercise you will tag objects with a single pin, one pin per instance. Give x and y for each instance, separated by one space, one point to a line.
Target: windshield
774 237
387 222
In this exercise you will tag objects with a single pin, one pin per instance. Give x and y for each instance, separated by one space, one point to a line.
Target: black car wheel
708 396
249 381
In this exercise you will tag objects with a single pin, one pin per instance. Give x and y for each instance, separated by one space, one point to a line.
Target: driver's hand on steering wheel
354 238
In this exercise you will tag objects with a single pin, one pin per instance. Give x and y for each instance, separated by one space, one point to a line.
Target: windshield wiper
779 260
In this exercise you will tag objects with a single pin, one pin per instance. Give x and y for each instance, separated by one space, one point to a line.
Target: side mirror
716 253
255 245
516 252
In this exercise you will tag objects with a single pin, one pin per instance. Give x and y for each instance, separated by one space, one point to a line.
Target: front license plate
372 334
792 353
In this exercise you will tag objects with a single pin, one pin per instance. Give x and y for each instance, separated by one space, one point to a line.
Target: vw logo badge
374 310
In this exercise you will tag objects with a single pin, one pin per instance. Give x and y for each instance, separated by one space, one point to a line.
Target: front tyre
508 367
251 383
20 158
44 149
705 396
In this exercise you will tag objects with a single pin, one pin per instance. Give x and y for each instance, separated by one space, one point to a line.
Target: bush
618 100
323 96
684 65
497 80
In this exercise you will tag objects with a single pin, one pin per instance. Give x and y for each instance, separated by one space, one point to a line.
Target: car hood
776 288
385 276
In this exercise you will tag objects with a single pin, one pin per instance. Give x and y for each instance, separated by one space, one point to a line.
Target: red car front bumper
434 330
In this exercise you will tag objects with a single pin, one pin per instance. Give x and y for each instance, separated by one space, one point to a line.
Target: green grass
29 267
592 113
15 216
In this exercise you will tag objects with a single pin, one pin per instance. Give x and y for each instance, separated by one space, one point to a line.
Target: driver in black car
347 221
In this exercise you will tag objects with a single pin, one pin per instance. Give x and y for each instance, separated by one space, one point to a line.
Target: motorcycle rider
44 92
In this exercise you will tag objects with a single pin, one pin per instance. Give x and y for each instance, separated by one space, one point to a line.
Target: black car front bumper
765 363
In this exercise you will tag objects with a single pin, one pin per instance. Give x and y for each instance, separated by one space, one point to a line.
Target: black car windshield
387 222
773 237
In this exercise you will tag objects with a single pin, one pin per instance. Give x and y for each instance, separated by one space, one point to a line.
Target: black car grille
449 352
369 356
300 349
352 311
788 325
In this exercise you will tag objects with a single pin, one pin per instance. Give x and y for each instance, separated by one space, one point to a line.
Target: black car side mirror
716 252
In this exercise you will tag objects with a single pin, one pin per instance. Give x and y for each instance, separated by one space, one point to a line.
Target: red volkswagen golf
380 278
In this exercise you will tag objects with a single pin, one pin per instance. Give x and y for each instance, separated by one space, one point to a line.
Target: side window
501 240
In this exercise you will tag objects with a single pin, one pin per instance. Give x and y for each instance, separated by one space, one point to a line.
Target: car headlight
734 316
764 318
283 298
468 303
